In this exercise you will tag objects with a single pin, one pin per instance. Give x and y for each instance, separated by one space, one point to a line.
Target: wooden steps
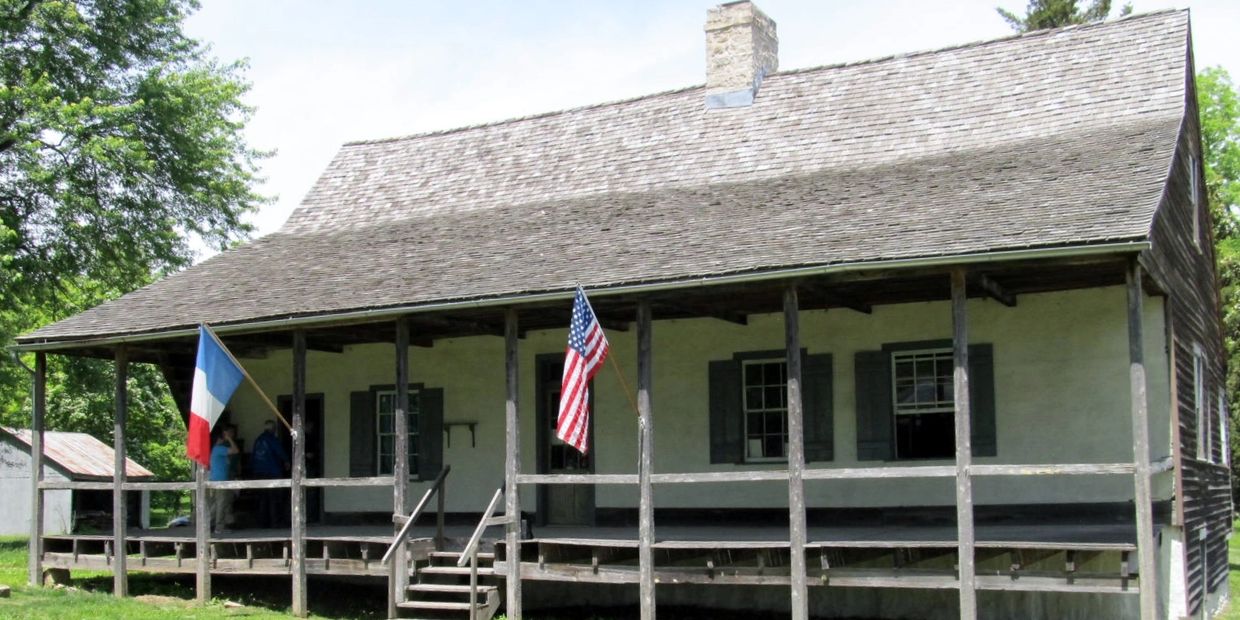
441 589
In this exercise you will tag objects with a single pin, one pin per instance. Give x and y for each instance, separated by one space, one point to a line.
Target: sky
327 72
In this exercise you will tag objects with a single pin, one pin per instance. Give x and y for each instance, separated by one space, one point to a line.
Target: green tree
1041 14
121 142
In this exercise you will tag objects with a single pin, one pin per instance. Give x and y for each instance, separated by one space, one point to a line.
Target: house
936 334
69 457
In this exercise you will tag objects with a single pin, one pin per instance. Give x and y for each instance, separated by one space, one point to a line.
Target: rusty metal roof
81 456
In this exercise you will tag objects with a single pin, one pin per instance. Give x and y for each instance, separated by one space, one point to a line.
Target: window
766 409
1224 423
385 425
905 401
924 404
1199 404
1194 185
749 407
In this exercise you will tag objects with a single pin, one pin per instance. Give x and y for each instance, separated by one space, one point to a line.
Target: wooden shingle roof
1049 139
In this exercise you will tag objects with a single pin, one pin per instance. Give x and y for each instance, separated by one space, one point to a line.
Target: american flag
587 348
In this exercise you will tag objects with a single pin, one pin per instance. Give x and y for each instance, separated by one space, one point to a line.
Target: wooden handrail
472 547
417 511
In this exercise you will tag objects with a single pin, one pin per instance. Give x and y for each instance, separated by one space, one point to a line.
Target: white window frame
385 462
1224 424
1199 404
897 409
745 407
1194 185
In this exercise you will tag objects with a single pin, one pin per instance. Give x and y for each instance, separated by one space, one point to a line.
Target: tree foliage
1041 14
121 143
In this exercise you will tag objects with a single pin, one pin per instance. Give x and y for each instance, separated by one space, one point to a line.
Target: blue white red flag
216 377
587 348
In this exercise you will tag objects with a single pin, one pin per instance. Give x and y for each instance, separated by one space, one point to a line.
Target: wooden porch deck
1091 556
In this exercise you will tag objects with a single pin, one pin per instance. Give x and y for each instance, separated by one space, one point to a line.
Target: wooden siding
1181 260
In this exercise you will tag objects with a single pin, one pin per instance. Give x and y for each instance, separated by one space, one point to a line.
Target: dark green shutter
362 449
982 399
430 433
727 423
818 397
873 379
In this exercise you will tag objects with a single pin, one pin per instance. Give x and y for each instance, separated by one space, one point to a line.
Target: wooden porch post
400 461
964 448
645 461
299 473
120 575
202 530
796 457
512 466
38 411
1141 445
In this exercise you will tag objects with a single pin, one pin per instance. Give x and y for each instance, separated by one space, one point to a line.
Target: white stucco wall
1061 384
15 509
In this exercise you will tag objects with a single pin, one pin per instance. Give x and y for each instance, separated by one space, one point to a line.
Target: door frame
544 366
284 400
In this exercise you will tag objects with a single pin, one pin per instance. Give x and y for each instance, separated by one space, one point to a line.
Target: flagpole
615 366
261 393
624 384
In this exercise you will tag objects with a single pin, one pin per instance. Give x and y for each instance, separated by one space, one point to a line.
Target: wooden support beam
1141 445
796 457
832 298
645 461
677 305
835 300
298 492
202 531
120 569
400 462
512 468
994 290
964 450
38 413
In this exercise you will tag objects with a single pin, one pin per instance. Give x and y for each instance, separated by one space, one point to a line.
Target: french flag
216 377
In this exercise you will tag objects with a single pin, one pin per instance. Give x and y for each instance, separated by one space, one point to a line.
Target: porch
964 547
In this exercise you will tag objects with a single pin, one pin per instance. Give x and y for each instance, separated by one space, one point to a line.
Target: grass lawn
1232 611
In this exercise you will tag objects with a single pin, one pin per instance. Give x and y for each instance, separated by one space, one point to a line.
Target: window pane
385 423
774 396
774 446
753 374
754 424
772 374
753 398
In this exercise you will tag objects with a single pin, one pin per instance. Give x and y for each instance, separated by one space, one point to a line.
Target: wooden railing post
400 460
796 457
645 461
297 491
964 447
120 574
202 532
38 412
512 467
1141 446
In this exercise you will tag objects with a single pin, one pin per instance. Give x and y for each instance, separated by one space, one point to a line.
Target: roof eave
1131 246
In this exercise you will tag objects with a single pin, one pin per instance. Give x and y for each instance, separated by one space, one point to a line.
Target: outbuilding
68 457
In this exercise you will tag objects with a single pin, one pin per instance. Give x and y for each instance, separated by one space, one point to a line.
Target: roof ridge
802 70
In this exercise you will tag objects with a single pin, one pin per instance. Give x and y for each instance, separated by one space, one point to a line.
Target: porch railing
395 596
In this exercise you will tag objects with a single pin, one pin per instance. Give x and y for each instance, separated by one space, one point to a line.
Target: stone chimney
741 49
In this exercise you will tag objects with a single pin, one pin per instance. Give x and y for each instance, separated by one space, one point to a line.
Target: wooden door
560 504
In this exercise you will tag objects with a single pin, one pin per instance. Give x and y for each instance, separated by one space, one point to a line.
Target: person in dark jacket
270 461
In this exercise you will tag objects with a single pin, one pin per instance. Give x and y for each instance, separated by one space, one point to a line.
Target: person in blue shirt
267 461
220 502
